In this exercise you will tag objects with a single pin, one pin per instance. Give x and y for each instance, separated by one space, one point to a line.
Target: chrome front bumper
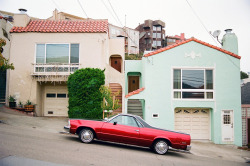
66 128
188 147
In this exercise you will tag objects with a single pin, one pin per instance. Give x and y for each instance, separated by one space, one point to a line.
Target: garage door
56 101
195 122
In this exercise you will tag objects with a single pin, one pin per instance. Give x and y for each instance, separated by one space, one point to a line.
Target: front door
227 126
2 86
133 83
116 63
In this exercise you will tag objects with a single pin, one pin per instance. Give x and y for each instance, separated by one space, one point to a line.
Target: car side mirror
115 123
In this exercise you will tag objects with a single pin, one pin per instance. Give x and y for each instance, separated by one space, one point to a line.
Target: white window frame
56 43
193 90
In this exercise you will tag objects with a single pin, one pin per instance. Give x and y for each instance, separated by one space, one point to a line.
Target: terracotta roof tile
64 26
134 92
189 40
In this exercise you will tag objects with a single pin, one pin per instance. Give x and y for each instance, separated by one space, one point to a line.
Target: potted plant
12 101
109 103
29 107
20 104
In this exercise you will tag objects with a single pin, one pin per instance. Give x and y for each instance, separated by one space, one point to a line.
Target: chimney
182 36
55 15
22 11
21 19
230 41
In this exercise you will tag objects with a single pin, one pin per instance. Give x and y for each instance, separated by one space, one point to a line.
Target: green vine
109 102
4 63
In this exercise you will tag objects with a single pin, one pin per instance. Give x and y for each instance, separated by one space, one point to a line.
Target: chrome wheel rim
161 147
87 136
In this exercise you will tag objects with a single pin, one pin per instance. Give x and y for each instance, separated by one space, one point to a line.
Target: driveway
46 141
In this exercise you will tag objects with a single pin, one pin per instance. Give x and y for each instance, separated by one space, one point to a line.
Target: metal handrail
55 68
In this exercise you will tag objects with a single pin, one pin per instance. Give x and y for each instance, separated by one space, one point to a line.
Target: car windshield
108 119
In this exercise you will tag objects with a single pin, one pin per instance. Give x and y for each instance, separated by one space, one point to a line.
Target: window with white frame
193 83
156 28
57 53
156 35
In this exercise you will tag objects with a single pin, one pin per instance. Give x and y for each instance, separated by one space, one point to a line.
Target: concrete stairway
135 107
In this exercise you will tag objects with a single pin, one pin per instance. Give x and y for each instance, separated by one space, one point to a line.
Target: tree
133 56
243 75
109 102
4 63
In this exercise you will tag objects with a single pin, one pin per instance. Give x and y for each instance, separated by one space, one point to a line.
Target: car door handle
137 130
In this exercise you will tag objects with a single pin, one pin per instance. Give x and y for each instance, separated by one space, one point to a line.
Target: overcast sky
177 15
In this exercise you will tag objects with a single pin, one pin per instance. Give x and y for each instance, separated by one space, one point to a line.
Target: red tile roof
134 92
64 26
189 40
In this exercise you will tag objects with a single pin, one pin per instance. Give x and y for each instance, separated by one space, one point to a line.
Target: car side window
125 120
139 124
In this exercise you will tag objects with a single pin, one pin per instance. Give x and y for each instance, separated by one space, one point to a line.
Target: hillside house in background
131 38
245 108
169 40
64 16
152 35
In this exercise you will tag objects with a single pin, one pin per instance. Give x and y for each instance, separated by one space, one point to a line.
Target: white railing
55 68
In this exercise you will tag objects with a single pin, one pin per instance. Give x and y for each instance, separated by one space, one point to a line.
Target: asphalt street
26 140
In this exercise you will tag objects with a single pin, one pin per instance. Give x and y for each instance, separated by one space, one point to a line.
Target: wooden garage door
195 122
56 101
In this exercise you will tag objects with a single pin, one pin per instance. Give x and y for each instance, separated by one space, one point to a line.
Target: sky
195 18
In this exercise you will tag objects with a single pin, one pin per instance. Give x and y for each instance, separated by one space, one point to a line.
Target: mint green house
192 86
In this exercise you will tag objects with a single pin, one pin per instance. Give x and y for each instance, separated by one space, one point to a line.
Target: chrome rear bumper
188 147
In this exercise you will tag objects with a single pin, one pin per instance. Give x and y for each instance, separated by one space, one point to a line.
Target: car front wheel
86 135
161 147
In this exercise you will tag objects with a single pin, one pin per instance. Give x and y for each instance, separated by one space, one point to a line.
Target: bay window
57 57
57 53
193 83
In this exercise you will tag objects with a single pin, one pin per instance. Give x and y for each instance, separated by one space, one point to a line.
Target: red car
129 129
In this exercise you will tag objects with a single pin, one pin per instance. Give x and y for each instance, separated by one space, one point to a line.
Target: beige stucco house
45 52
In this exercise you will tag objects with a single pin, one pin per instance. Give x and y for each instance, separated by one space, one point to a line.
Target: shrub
109 103
84 95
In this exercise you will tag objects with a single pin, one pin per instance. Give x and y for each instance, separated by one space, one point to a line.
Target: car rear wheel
86 135
161 147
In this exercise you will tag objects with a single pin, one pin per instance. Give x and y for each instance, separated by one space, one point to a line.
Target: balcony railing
55 68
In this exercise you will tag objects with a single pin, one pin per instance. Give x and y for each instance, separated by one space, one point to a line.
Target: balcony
55 69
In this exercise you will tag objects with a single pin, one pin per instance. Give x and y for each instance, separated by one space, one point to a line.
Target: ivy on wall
4 63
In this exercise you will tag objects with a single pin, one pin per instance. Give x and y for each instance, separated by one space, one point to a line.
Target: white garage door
195 122
56 101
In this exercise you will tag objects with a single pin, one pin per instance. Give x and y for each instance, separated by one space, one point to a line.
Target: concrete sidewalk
225 152
56 124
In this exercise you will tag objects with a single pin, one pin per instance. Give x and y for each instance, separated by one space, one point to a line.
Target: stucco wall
93 51
133 66
158 79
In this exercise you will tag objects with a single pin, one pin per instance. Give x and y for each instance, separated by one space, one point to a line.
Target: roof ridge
196 40
64 26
